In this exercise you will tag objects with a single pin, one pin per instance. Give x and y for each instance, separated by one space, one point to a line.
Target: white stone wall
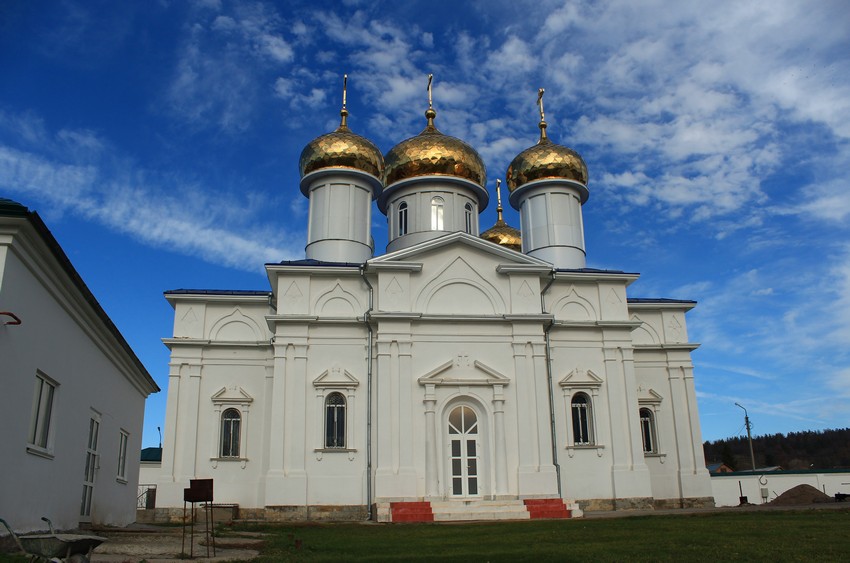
455 321
62 338
727 492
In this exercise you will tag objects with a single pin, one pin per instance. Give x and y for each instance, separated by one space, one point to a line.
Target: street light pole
749 436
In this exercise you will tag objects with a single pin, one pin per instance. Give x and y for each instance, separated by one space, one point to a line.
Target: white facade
67 352
455 321
449 369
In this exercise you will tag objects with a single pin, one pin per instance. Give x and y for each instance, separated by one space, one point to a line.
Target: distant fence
764 487
146 496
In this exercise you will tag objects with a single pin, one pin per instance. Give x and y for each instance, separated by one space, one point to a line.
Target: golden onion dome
501 233
433 153
342 149
504 235
546 160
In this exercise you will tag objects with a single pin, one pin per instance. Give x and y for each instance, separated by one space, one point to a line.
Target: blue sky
160 142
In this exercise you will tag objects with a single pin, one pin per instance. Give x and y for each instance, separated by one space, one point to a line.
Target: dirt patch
801 494
126 547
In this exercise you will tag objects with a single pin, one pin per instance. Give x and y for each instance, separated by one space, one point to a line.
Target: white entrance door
464 453
91 468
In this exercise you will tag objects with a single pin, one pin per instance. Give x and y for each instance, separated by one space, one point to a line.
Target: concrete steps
475 510
411 512
459 511
546 508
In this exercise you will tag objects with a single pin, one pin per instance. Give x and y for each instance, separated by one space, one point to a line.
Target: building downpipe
366 317
549 380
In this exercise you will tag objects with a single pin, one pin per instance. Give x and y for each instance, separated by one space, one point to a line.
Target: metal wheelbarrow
67 548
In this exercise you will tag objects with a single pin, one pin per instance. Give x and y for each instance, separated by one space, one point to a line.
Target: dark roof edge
313 262
595 271
68 267
246 292
659 300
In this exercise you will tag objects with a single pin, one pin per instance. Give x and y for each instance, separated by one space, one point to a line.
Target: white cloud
160 211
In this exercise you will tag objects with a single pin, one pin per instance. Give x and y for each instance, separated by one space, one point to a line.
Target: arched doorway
464 455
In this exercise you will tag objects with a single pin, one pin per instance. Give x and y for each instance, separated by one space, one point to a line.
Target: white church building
457 376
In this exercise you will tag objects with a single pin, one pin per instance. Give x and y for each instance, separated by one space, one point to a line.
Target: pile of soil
801 494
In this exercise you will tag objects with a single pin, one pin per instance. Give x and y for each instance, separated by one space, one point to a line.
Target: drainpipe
551 389
366 317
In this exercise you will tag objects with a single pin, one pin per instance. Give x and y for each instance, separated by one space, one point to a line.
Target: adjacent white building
73 390
450 371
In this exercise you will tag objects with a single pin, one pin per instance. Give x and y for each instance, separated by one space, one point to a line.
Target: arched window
402 218
437 213
335 421
647 431
467 214
231 424
582 420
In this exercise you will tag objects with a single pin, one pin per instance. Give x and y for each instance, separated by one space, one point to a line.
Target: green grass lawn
821 535
804 535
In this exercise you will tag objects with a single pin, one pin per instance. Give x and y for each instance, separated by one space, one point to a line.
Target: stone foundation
693 502
317 513
643 503
607 504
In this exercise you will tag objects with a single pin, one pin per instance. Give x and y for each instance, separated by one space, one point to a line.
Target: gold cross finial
430 100
542 124
499 199
540 93
343 113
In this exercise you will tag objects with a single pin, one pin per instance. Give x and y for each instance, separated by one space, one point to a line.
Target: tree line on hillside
810 449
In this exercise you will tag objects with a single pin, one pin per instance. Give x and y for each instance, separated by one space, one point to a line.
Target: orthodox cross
430 101
540 102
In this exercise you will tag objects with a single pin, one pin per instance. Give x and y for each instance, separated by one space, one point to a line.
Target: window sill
322 451
40 452
660 456
571 449
121 480
214 461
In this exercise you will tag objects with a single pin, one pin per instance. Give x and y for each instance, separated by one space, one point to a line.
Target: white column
431 476
500 454
630 475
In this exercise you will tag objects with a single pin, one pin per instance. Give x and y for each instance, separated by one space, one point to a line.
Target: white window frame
226 426
647 429
652 402
585 413
438 206
43 414
335 380
123 438
336 410
402 216
467 214
580 381
230 398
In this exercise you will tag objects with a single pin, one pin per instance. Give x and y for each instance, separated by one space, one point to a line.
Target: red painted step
411 512
546 508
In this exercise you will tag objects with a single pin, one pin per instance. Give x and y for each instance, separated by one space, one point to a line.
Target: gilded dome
433 153
342 149
546 160
504 235
501 233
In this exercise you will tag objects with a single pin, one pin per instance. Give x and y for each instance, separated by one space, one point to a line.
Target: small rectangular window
42 411
122 455
647 429
231 428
